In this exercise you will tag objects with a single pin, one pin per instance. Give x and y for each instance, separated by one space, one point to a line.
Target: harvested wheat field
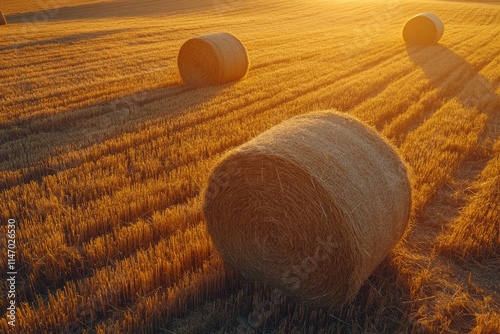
105 153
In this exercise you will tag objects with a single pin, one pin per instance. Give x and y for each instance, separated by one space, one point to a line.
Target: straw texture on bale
3 21
423 29
311 206
212 60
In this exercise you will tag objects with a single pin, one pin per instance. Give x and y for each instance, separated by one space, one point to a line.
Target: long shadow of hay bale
74 128
109 9
67 39
475 91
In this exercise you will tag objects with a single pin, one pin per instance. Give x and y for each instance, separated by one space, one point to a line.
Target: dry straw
212 59
3 21
423 29
311 206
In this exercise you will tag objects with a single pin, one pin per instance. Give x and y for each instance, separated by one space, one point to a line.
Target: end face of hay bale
212 60
310 206
3 21
423 29
264 229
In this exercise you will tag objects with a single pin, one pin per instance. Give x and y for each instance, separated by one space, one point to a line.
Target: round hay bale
423 29
3 21
212 60
311 206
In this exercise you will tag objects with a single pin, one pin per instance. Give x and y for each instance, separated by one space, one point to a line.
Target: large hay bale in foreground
311 206
212 59
423 29
3 21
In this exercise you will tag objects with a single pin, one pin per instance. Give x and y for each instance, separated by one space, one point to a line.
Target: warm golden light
105 153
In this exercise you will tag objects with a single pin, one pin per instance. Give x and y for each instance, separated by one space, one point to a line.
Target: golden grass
475 233
103 158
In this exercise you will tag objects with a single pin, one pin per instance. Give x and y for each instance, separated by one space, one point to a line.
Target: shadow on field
456 78
113 8
89 126
67 39
381 306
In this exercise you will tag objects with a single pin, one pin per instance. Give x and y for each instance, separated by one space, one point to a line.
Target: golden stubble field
104 153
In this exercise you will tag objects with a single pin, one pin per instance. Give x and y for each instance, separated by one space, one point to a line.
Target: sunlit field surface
104 154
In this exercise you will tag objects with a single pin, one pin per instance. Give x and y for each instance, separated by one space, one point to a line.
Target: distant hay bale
212 59
423 29
311 206
3 21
